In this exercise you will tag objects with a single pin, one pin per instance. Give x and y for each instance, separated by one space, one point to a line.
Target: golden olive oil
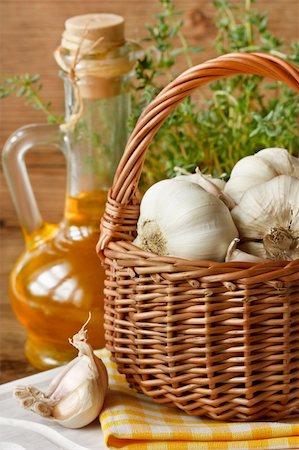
58 280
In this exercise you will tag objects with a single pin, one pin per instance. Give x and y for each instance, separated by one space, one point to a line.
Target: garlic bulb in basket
76 395
255 169
267 218
179 218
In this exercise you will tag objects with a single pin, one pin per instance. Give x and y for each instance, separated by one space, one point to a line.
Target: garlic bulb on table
258 168
267 218
76 395
179 218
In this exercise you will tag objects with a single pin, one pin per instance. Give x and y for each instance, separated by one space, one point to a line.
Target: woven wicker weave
214 339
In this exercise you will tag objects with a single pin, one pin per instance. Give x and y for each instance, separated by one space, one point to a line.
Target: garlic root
76 395
280 243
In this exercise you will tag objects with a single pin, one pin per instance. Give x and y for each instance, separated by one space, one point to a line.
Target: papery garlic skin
179 218
269 213
76 395
258 168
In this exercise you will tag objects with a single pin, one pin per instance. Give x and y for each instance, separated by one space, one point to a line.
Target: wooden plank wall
31 30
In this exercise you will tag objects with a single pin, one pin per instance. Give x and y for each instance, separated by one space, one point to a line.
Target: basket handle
122 208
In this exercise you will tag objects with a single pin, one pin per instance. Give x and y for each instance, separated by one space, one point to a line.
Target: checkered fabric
132 421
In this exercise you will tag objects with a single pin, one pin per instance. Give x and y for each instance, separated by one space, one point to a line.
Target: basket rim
126 254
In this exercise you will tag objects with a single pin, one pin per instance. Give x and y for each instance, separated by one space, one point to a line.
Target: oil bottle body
56 282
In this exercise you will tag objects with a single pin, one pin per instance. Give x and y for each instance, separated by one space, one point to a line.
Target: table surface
13 363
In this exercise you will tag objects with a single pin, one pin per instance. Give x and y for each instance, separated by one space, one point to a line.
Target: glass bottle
58 279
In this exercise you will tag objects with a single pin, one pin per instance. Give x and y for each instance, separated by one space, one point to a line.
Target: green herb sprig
28 87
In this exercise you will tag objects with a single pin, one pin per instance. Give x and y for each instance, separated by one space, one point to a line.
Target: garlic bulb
268 216
255 169
179 218
235 254
214 186
76 395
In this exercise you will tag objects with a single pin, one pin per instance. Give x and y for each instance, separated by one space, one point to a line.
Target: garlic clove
198 176
81 406
235 254
214 186
295 163
280 160
218 182
263 166
76 395
211 185
73 375
248 172
254 248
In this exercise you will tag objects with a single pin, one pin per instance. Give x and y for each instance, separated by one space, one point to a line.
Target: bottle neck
93 148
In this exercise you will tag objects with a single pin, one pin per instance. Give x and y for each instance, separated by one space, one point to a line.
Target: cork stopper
103 30
89 54
94 57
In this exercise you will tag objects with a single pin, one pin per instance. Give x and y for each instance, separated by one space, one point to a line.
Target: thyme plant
241 115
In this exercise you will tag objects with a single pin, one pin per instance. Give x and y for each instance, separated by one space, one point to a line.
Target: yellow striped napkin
132 421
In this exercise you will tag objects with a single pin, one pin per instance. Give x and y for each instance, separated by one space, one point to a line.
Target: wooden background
31 30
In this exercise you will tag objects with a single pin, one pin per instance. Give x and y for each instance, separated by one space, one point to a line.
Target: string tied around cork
94 56
74 77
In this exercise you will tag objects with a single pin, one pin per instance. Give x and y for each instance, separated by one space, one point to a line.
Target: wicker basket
214 339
